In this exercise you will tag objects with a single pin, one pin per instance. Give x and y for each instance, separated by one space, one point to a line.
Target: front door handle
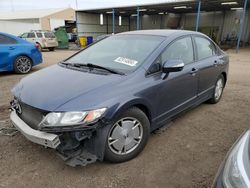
193 71
12 48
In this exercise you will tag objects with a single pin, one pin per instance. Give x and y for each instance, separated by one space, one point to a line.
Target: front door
179 89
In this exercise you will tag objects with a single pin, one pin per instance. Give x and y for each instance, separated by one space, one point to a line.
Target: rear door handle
194 71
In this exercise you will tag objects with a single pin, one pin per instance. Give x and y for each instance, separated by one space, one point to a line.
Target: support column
138 19
113 21
198 16
242 20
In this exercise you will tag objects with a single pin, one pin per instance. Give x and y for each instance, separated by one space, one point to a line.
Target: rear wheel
127 136
22 65
52 49
218 90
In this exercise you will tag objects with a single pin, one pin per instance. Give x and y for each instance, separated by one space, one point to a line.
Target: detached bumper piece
80 157
39 137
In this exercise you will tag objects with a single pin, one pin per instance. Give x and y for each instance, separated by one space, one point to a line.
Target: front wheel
218 90
127 136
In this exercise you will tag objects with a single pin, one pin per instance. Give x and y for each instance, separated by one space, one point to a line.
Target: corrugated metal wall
89 24
222 23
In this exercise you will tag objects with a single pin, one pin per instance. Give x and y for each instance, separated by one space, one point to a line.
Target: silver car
44 39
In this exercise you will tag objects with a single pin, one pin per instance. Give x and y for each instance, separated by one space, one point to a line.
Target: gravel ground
185 154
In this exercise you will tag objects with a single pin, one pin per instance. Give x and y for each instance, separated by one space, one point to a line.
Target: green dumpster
62 38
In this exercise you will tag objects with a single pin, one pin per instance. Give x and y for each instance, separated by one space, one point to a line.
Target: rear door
7 46
207 62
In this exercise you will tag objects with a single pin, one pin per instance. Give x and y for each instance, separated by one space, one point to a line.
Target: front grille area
30 115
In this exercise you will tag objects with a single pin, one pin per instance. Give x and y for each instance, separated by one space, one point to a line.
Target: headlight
237 165
56 119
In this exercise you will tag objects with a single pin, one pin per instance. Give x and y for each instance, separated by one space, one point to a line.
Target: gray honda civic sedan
102 102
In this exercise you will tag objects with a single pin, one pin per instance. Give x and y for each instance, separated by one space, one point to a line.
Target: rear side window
205 48
49 35
31 35
39 35
7 40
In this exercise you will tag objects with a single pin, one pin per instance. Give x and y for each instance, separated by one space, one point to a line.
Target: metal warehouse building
18 22
226 21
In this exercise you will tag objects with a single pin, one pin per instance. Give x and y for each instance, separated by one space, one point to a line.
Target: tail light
37 46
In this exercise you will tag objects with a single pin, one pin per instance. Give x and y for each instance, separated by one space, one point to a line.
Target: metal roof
28 14
169 7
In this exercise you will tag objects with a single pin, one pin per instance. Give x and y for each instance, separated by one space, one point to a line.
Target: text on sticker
126 61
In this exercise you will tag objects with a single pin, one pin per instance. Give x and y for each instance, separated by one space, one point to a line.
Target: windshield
120 52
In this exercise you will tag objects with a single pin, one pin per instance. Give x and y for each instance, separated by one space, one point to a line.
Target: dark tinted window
39 35
7 40
31 35
205 48
49 35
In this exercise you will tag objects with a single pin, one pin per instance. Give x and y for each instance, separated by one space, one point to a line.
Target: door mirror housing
174 65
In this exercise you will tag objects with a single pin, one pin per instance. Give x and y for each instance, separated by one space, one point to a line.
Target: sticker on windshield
126 61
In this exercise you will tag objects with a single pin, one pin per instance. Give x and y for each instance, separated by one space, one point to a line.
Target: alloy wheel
125 136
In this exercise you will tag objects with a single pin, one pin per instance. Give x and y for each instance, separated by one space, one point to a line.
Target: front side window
121 52
7 40
180 49
205 48
25 35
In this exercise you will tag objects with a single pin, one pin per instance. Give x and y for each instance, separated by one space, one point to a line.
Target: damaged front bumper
42 138
76 148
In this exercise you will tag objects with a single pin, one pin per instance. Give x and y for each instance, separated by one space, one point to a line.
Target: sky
15 5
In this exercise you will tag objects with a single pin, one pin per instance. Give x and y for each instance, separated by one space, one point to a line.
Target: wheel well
25 56
145 110
225 76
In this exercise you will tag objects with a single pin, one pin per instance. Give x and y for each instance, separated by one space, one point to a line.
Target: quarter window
205 48
7 40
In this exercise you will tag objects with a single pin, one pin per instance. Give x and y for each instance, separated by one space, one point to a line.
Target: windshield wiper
90 65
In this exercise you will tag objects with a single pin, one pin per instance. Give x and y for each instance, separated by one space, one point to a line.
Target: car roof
14 37
160 32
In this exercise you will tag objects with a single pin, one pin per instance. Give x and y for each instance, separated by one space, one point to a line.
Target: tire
22 65
218 90
127 136
52 49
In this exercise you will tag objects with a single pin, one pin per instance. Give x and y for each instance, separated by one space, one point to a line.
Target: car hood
54 86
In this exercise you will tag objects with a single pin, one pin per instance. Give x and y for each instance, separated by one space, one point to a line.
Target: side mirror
174 65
